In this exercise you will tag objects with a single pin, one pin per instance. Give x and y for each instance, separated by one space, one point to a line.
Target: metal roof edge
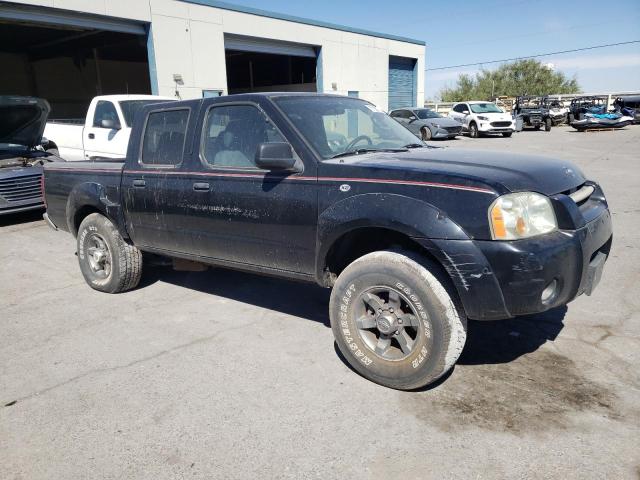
306 21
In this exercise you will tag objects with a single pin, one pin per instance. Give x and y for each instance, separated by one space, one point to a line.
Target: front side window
164 137
337 126
485 108
105 115
232 134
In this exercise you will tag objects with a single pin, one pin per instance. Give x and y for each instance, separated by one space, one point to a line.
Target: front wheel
547 125
473 130
107 262
395 320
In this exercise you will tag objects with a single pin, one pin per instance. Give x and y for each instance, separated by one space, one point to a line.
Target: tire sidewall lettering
349 333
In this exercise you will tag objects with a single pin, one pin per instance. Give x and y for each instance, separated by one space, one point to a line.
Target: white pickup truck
103 133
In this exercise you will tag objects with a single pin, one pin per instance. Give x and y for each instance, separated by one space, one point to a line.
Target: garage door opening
68 65
260 65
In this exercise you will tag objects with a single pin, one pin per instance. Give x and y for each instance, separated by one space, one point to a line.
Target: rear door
106 134
153 182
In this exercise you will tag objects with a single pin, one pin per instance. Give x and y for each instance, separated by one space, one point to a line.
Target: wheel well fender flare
90 197
409 216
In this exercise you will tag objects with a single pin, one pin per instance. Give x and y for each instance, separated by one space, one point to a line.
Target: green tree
524 77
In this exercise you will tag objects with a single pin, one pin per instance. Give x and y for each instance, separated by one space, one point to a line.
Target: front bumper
21 208
486 127
447 133
503 279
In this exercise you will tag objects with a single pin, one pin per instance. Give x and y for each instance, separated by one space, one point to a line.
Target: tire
547 125
433 333
473 130
507 134
115 266
426 134
536 127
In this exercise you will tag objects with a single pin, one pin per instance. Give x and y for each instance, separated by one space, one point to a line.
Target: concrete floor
226 375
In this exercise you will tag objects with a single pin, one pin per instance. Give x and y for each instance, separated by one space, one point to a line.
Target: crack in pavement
197 341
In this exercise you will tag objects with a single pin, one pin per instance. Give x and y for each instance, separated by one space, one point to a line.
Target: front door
107 135
240 213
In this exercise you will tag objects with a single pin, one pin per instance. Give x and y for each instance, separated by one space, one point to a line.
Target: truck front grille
19 189
500 124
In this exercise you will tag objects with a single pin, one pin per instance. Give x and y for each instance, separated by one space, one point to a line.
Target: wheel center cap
387 323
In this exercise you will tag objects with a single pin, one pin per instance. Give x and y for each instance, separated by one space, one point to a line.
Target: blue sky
468 32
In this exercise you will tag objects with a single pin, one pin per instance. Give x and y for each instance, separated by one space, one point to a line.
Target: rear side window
164 136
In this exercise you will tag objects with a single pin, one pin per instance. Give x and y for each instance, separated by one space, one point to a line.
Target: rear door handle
91 136
139 183
201 187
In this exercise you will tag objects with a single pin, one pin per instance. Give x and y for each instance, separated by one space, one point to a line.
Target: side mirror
275 156
413 118
110 124
466 112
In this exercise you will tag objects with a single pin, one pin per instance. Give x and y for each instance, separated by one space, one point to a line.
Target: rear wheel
426 134
107 262
473 130
395 321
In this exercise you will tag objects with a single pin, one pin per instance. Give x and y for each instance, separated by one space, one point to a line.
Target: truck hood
500 171
22 120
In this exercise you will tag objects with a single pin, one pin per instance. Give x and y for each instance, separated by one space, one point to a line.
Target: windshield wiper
358 151
414 145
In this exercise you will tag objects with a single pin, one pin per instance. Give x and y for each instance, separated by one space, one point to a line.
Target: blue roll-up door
402 82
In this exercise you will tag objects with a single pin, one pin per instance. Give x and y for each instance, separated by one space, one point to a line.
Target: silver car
427 124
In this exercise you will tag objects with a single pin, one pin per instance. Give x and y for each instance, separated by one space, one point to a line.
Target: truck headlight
480 117
521 215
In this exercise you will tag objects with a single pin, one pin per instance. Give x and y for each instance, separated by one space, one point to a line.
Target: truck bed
89 181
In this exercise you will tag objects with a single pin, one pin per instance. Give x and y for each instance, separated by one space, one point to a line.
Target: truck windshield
425 113
337 126
131 107
484 108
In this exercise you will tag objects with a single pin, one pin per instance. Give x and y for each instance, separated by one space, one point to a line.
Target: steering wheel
357 140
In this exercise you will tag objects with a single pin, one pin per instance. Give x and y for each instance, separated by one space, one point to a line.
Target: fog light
549 292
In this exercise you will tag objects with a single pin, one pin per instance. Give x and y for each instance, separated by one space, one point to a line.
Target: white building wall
188 39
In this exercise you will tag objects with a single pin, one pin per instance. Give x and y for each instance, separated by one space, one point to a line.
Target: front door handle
139 183
201 187
91 136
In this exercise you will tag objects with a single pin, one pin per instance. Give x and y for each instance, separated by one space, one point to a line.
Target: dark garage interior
68 66
257 71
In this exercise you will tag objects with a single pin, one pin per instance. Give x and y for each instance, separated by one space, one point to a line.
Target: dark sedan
427 124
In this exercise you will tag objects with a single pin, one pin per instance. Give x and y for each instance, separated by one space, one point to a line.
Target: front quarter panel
407 215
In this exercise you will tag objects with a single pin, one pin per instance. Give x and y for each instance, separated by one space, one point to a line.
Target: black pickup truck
412 239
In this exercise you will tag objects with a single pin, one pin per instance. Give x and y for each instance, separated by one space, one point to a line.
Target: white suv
482 117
